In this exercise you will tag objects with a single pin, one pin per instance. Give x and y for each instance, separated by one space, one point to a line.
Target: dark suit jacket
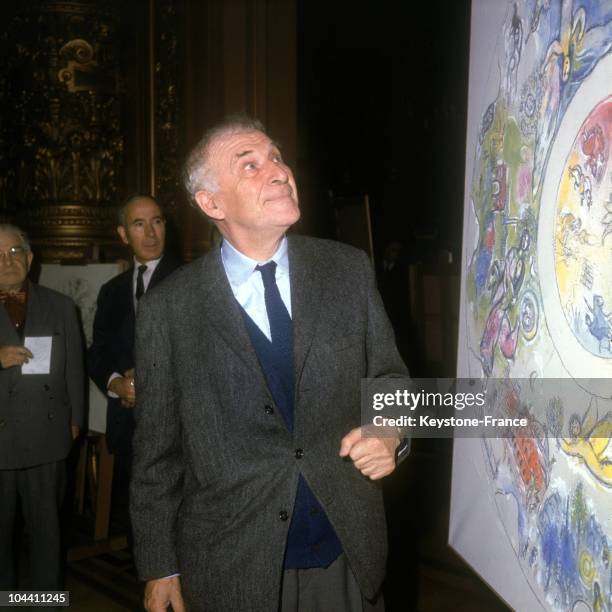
112 349
36 410
214 467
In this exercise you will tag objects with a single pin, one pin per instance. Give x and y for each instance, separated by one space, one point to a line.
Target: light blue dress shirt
247 284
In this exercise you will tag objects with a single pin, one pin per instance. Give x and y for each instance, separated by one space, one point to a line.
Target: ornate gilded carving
80 65
71 215
61 145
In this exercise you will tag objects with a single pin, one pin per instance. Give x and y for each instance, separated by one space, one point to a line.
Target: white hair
198 174
7 228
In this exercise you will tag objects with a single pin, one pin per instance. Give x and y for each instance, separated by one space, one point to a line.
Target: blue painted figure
599 323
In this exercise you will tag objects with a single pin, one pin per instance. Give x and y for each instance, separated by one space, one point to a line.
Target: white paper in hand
40 347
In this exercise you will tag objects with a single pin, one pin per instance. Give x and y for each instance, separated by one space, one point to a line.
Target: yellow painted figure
590 446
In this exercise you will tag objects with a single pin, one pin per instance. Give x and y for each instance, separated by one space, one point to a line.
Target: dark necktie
142 268
281 327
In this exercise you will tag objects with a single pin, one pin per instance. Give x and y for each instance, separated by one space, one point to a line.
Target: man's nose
149 229
279 174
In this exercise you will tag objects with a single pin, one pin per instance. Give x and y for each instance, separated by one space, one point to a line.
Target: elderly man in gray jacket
253 485
39 408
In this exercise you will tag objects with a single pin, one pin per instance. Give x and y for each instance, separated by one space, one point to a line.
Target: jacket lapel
8 334
36 313
305 300
219 306
10 337
162 270
127 293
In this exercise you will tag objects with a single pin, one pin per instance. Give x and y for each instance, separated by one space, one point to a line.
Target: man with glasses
41 410
141 227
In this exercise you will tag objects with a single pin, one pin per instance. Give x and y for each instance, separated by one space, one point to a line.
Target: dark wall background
381 106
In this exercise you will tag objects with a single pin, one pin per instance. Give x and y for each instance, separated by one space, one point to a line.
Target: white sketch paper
40 347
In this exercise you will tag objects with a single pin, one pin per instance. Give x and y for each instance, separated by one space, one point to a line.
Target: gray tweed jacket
36 410
214 467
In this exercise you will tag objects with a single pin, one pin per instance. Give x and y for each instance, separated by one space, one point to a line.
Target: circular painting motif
583 234
576 220
538 304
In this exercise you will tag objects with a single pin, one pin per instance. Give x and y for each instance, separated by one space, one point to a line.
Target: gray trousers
331 589
39 491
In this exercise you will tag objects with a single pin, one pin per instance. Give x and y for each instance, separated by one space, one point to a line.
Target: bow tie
17 296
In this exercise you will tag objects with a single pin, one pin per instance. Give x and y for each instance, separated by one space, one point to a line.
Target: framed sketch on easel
82 283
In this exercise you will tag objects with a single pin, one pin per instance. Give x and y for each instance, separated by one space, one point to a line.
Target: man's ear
122 234
206 203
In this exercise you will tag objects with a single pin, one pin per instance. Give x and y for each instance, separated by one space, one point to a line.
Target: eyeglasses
14 252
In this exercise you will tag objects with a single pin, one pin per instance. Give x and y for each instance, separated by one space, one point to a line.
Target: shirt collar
239 267
151 265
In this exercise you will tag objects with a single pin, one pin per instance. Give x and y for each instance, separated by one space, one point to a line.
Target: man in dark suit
142 227
38 410
253 487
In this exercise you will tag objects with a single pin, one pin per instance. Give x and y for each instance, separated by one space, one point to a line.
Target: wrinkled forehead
230 146
9 239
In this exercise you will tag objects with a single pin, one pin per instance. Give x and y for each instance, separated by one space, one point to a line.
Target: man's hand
127 402
11 356
74 429
373 457
123 386
163 592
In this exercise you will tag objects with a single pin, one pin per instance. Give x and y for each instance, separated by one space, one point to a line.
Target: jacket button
268 409
299 453
47 387
283 515
50 416
2 424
